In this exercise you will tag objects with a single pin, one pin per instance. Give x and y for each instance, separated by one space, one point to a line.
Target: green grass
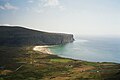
90 63
61 60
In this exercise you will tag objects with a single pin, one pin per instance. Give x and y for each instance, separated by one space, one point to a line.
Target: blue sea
95 49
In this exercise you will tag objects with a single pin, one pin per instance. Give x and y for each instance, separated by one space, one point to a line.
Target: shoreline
42 49
45 50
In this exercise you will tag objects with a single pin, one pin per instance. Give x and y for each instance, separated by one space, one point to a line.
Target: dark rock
15 35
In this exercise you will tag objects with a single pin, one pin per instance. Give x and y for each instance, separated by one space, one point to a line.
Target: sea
94 49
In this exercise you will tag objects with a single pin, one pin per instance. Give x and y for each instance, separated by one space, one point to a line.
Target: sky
83 17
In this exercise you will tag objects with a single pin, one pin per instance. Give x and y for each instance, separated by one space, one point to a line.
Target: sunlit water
96 49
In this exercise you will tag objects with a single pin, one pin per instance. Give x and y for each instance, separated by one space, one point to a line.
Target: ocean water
95 49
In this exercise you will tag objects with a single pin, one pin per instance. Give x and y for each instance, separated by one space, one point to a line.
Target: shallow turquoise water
96 49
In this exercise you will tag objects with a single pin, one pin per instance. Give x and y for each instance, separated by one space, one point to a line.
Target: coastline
42 49
52 67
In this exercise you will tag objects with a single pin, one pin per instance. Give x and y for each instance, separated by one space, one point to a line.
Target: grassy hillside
22 63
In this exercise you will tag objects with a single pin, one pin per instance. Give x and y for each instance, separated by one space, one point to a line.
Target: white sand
43 49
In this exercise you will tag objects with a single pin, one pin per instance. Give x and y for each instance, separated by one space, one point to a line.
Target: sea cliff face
15 35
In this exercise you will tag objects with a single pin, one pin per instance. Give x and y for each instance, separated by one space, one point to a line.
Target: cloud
51 3
5 25
8 6
1 7
42 5
39 11
10 25
30 1
62 8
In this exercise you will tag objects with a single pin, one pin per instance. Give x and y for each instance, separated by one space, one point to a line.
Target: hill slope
22 63
15 35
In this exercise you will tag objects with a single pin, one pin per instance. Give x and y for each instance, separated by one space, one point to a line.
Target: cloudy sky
86 17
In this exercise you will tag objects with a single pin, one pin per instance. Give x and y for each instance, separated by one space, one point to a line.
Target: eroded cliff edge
15 35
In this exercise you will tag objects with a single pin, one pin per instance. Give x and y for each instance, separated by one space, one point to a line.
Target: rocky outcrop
15 35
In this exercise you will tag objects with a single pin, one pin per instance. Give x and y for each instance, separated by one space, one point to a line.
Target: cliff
15 35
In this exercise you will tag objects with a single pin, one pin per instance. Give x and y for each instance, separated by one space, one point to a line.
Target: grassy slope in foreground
22 63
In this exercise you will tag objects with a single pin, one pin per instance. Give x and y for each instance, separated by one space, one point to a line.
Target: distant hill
16 35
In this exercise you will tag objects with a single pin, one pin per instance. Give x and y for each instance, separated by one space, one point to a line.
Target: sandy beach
43 49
